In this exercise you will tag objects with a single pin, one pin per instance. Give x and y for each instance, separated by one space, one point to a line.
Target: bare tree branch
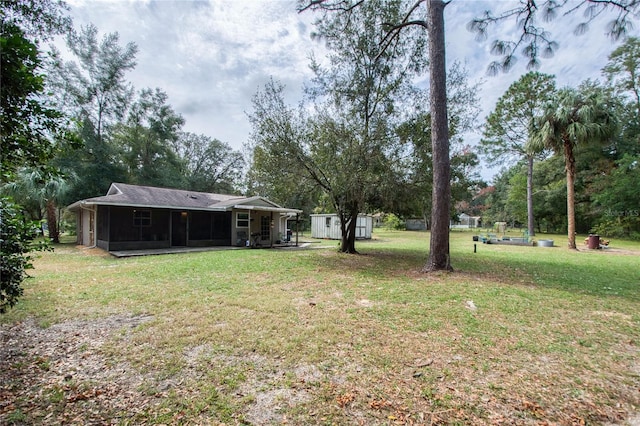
329 5
395 28
534 41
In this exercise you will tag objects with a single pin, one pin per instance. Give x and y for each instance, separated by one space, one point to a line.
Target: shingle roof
121 193
147 196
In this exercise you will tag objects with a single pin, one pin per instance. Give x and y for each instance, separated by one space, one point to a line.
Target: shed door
179 228
361 227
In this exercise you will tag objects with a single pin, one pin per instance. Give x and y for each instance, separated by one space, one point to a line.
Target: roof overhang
267 209
88 204
84 203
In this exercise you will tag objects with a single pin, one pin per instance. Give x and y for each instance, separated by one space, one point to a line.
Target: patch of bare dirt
64 375
58 375
272 389
611 250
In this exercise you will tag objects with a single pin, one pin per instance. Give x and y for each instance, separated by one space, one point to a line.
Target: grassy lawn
516 335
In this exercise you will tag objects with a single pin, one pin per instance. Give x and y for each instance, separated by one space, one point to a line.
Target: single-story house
132 217
328 226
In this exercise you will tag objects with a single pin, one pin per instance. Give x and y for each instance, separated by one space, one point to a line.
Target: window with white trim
242 220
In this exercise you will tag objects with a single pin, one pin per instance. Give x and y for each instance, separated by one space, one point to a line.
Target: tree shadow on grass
575 272
597 274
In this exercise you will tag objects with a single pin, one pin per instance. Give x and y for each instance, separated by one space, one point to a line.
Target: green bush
17 239
392 222
68 225
623 226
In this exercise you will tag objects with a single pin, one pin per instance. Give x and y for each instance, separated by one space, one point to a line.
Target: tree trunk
348 222
439 244
570 167
530 224
52 222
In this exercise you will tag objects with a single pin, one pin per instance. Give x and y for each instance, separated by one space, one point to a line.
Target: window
142 218
242 220
327 222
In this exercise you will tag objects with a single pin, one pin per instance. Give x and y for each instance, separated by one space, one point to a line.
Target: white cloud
211 57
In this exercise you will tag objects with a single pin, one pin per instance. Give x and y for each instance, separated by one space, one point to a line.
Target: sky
211 57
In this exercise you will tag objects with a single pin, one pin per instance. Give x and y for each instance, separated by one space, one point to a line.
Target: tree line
569 153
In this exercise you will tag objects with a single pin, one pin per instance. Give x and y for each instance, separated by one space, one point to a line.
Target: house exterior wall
265 223
241 227
120 228
85 228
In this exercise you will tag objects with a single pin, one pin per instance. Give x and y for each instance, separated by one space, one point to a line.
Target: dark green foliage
211 165
27 124
623 77
40 194
130 136
37 18
497 200
346 149
510 125
575 118
392 222
617 200
95 92
279 160
606 178
145 141
30 128
17 239
95 165
412 196
550 196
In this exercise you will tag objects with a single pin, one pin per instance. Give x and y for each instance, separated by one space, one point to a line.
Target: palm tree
36 191
510 125
573 118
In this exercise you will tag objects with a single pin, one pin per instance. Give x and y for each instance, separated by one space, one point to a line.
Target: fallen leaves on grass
533 408
345 399
55 375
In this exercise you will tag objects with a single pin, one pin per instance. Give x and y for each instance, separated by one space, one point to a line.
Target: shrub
17 239
392 222
624 226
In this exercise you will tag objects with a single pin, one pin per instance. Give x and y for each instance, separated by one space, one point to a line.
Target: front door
179 228
265 229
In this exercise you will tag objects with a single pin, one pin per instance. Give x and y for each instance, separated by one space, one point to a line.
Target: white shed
466 222
328 226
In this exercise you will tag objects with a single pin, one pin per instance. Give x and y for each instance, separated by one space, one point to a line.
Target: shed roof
122 194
